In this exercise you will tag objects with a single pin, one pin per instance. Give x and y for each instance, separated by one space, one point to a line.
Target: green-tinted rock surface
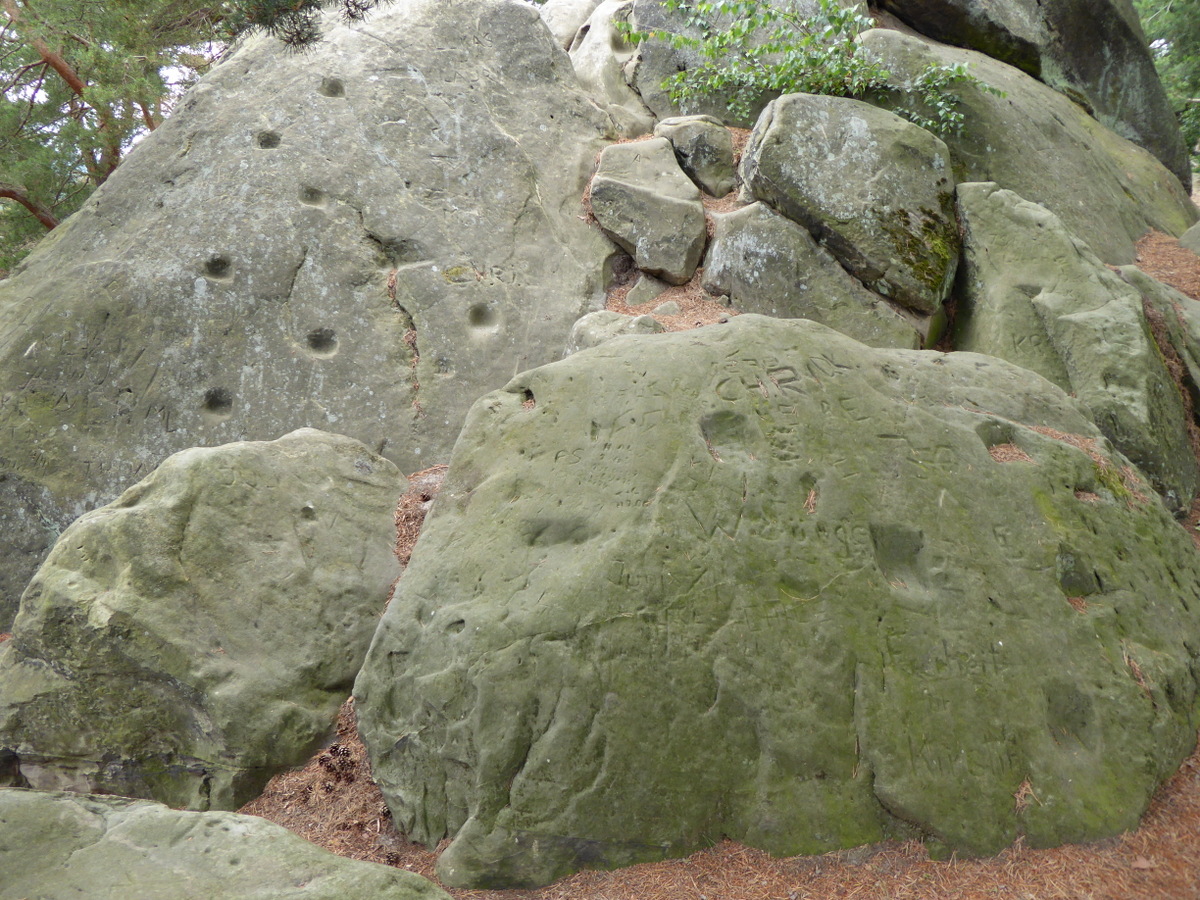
56 845
766 263
1037 142
197 635
760 581
645 203
1033 294
604 325
875 189
1093 51
363 238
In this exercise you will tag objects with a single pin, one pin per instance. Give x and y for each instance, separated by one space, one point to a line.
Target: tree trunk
37 210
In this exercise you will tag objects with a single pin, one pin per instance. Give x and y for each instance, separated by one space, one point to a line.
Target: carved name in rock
759 580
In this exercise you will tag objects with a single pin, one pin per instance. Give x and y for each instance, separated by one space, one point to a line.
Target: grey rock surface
1175 315
765 263
1092 51
1037 142
875 189
197 635
601 56
704 148
644 202
564 18
761 581
362 238
596 328
1191 239
57 845
1035 295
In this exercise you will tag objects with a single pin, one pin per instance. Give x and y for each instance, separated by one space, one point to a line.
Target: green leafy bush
752 50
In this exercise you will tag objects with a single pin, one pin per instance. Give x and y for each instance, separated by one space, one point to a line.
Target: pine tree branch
38 211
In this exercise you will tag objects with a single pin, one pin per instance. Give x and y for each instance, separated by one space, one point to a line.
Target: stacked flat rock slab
196 636
704 148
109 848
644 202
363 238
1033 140
759 580
875 189
1035 295
1093 51
765 263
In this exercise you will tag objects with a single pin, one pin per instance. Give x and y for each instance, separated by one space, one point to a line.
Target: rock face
740 581
767 264
197 635
1191 239
874 188
110 848
363 238
1092 51
704 149
645 203
1034 295
1038 143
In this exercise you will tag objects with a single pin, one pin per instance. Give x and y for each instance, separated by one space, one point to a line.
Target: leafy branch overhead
753 50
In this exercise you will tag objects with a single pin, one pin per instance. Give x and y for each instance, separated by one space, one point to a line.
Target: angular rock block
704 148
759 580
645 203
197 635
766 263
875 189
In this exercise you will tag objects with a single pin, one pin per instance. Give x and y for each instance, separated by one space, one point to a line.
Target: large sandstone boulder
1037 142
761 581
1033 294
875 189
55 845
197 635
1093 51
647 205
765 263
363 238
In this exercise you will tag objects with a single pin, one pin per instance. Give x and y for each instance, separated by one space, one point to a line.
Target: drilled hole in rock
217 401
481 316
218 266
323 341
332 87
311 196
456 626
527 401
307 511
268 140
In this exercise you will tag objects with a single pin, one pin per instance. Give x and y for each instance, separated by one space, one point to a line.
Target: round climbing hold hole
268 140
311 196
332 87
322 341
219 267
217 402
481 316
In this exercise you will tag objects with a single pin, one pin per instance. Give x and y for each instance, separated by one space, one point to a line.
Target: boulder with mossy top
356 238
197 635
876 190
761 581
1035 295
57 845
765 263
1031 139
1091 51
644 202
